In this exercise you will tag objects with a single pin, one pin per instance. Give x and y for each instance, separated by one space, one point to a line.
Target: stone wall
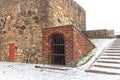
65 12
21 24
8 13
22 21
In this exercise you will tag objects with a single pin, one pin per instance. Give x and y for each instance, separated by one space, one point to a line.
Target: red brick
74 40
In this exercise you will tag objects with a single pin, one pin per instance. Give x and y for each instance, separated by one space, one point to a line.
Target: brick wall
81 44
76 44
99 33
110 34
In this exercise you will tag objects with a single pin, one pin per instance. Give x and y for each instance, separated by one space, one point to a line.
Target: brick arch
50 36
67 32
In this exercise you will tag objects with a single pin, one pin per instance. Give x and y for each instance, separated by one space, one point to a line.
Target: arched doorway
58 49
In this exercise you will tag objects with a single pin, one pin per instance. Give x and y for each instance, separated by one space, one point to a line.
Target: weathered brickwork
110 34
22 21
81 44
99 33
76 44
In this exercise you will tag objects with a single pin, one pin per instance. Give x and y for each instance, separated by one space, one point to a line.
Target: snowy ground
22 71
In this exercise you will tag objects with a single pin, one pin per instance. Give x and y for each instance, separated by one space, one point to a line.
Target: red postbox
12 47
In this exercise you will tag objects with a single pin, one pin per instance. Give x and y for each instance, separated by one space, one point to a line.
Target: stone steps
112 51
114 47
105 66
103 72
109 61
111 54
105 69
110 58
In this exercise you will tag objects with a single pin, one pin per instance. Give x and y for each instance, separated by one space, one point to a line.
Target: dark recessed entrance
58 49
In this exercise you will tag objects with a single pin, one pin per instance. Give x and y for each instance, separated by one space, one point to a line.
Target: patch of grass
84 60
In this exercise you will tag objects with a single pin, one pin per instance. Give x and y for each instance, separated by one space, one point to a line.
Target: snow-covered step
113 62
110 60
104 70
115 44
117 57
112 51
112 45
113 48
111 54
107 64
109 49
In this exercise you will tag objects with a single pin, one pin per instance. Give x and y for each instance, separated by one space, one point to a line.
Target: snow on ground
22 71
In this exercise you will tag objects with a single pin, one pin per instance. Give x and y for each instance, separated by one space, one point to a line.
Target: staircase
109 60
